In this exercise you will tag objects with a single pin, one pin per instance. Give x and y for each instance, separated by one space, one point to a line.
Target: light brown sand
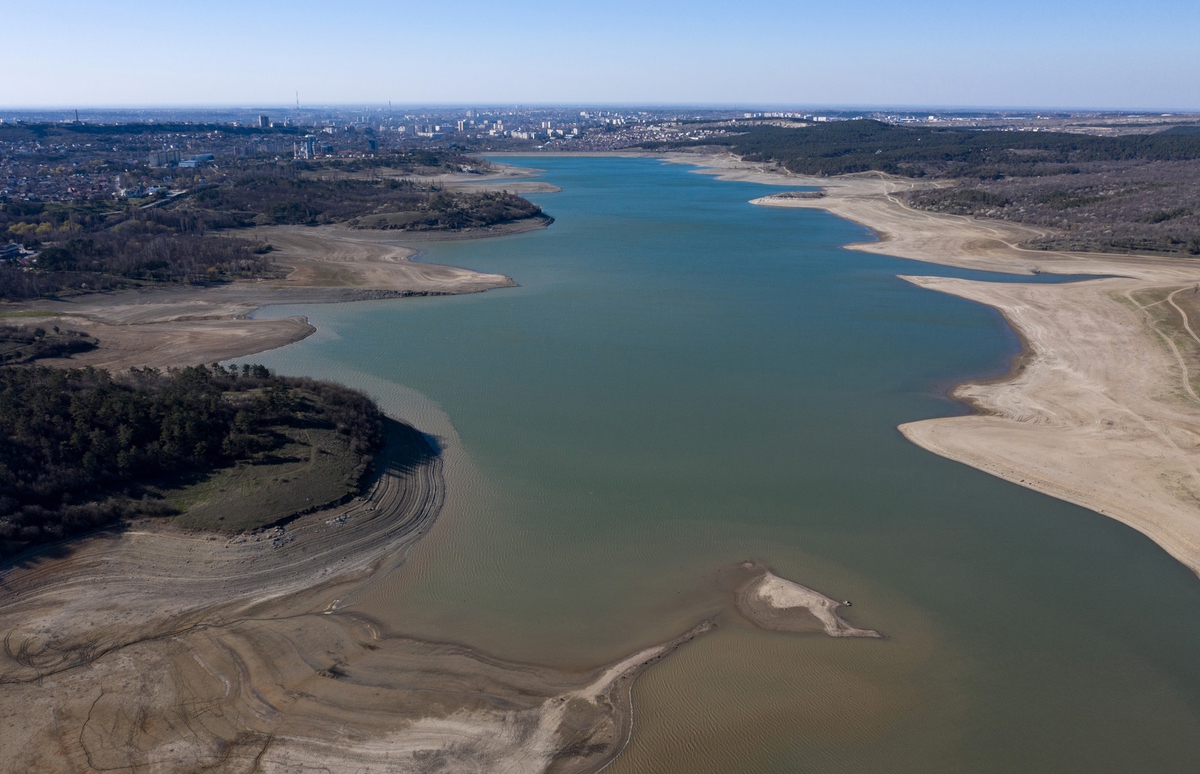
176 326
329 256
777 603
1099 412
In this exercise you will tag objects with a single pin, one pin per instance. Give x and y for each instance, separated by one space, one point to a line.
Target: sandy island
1101 407
781 605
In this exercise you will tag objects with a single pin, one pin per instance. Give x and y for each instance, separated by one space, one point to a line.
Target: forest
278 194
84 449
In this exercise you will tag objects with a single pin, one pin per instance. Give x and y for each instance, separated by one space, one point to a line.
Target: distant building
372 145
306 148
199 160
264 122
10 252
163 158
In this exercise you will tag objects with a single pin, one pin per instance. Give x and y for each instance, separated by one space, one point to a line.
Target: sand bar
776 603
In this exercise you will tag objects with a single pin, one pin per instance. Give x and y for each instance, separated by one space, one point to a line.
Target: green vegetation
107 245
1162 216
312 467
84 449
24 345
282 195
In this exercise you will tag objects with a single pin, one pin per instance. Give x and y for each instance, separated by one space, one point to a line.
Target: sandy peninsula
1101 407
174 326
165 326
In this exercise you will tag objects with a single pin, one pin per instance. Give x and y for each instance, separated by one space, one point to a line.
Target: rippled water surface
684 381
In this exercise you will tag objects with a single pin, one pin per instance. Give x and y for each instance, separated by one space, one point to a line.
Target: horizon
715 106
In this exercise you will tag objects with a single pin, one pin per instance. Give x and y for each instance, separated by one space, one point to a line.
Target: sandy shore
779 604
176 326
1100 408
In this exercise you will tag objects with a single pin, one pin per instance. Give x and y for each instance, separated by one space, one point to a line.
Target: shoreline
1090 410
174 326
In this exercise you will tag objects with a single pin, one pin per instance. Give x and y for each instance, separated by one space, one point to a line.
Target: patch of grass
1163 216
388 220
1065 200
24 345
314 468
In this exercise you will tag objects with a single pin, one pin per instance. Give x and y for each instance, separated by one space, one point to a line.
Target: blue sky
1052 53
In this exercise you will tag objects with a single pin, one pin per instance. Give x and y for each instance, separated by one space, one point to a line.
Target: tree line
84 449
844 147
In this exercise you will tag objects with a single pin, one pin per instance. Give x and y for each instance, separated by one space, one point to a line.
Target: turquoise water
683 381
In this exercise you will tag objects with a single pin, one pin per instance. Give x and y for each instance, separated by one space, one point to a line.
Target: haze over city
1062 53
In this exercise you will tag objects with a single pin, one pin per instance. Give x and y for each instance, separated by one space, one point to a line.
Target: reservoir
684 381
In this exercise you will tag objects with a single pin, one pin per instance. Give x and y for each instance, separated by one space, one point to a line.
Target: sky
1108 54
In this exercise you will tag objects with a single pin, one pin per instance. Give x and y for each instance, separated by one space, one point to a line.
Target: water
684 381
